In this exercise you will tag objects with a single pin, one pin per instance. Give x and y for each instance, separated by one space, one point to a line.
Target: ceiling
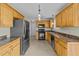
30 10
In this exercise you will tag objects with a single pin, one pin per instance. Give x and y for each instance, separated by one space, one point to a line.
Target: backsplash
5 31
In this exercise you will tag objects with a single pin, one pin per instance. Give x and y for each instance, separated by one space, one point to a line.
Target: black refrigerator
21 29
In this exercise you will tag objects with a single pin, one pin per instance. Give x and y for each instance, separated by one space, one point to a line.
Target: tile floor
39 48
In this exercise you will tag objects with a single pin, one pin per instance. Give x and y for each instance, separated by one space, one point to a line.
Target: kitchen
44 29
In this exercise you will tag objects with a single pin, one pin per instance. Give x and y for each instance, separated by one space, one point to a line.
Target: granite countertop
46 29
67 34
66 39
69 31
7 40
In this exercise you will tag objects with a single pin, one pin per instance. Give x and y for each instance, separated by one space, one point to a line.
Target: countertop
69 31
65 39
5 41
67 34
46 29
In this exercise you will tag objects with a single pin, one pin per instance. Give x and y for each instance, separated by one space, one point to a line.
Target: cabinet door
64 53
57 47
70 16
60 48
5 50
47 24
6 16
63 18
15 47
49 37
15 51
17 15
37 35
51 23
76 14
58 20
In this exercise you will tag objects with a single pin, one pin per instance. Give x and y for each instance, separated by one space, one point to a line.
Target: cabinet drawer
64 44
5 50
16 51
61 42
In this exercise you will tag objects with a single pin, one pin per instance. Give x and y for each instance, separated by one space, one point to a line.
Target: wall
32 28
5 31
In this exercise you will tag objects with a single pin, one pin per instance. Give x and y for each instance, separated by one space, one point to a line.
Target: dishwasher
52 40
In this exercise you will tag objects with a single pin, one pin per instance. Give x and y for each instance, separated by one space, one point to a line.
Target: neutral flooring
39 48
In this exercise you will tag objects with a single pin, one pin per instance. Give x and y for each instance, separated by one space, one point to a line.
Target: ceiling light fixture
39 16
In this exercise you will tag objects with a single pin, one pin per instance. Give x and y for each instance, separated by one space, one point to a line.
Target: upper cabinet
68 17
58 20
7 14
17 15
51 23
46 22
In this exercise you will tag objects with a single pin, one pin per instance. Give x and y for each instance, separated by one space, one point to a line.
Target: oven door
41 35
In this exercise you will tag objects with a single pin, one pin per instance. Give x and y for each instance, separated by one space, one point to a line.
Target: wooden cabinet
37 35
63 19
58 20
65 46
51 23
14 51
60 48
7 15
5 51
76 14
11 48
68 17
48 37
15 47
17 15
46 22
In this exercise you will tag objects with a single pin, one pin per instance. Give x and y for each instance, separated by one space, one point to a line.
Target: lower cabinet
63 47
60 49
5 52
14 51
48 37
11 48
36 35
